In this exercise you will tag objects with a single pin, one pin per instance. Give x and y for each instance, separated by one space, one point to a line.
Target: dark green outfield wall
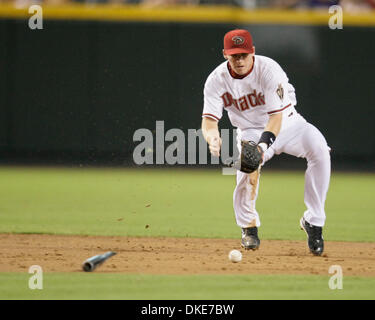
80 89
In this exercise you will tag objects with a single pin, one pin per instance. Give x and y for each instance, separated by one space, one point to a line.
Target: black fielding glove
250 158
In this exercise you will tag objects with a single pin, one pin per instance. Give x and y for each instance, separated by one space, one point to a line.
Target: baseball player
260 101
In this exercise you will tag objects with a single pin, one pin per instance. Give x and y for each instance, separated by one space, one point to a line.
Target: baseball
235 256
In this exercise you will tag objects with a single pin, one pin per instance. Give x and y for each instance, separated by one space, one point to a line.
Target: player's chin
240 70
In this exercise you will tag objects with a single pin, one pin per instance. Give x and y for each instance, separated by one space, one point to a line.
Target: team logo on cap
238 40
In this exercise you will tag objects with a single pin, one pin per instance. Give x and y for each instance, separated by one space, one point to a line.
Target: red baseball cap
238 41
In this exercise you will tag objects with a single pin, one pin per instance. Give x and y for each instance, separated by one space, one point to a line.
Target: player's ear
253 50
225 57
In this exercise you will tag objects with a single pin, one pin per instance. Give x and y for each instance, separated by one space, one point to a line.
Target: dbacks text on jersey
252 99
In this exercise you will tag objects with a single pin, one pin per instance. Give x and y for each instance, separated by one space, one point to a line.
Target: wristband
268 138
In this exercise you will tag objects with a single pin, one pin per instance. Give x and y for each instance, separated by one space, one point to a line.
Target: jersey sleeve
213 103
279 93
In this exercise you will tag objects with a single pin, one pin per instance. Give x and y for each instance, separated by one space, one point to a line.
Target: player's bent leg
317 175
309 143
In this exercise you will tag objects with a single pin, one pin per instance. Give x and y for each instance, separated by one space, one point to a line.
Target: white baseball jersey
250 100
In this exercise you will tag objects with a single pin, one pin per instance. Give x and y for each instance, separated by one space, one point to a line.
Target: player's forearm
271 131
274 123
210 129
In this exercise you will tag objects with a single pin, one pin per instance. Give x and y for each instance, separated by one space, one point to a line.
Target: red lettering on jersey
243 103
261 98
253 99
227 99
235 102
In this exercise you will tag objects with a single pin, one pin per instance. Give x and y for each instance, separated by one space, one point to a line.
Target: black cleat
250 240
314 237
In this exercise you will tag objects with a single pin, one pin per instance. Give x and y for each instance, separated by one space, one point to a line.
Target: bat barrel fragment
92 263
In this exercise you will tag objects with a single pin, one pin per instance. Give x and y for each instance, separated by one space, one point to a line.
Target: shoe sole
250 248
303 228
246 248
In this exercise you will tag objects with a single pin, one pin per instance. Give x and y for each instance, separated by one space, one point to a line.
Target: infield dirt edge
179 256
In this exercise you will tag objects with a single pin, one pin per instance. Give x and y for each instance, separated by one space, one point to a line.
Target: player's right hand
215 145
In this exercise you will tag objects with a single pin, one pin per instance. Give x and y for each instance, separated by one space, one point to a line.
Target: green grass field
150 287
176 203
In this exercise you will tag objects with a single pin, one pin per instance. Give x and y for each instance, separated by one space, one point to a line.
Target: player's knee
319 151
316 145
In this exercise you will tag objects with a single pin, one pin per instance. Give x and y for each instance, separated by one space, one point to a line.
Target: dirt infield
56 253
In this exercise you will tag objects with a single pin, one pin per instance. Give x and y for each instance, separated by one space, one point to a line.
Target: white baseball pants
301 139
